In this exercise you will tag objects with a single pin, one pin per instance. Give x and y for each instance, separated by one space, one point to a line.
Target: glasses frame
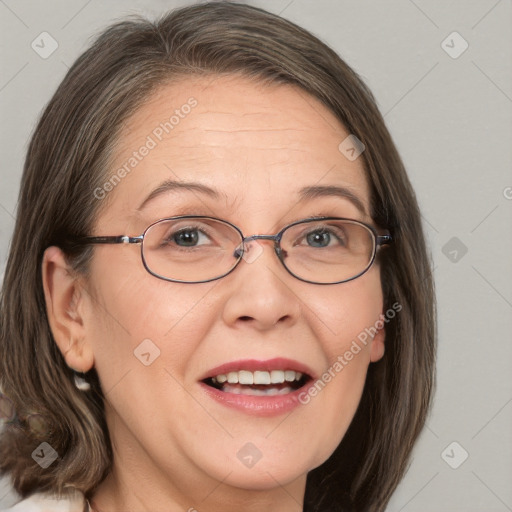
380 239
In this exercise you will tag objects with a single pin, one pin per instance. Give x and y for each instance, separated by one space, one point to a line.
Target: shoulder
48 503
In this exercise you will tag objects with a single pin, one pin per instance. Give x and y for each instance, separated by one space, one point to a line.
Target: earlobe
378 346
64 304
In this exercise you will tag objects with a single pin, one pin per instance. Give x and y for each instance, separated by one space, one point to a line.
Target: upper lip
278 363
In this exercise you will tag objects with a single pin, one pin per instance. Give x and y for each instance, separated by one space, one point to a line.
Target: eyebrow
169 185
306 193
332 190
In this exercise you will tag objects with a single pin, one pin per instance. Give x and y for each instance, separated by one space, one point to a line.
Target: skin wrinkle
237 147
255 130
245 114
165 430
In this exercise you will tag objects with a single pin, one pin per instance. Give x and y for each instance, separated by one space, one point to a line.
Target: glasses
197 249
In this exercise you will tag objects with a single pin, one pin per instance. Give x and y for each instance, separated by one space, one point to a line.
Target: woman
218 293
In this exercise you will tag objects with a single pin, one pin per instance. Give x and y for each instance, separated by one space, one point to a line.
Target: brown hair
66 161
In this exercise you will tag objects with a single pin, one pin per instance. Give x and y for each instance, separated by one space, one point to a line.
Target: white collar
42 502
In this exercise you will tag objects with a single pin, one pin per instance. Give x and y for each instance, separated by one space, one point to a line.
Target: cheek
139 319
147 335
346 312
344 316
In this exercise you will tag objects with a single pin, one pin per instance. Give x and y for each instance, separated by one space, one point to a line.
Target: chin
266 477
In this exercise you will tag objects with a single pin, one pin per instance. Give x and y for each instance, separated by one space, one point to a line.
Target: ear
64 296
377 347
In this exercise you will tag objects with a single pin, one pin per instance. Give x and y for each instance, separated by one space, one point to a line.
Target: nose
260 291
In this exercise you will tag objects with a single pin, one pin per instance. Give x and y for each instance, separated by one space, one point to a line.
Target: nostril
281 320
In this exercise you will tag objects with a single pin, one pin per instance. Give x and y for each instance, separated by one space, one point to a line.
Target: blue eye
319 238
325 237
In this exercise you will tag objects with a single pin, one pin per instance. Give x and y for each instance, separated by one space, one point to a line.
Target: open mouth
259 383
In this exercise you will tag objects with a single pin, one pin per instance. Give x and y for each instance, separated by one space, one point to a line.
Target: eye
324 237
319 238
188 237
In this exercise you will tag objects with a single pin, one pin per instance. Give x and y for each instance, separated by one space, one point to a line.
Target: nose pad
250 251
281 253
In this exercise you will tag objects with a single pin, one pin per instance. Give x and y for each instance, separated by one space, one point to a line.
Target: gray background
451 119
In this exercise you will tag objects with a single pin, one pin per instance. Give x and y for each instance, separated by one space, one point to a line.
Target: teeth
289 376
258 377
245 377
239 390
277 376
261 378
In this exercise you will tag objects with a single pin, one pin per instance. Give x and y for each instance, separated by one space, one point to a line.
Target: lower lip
256 405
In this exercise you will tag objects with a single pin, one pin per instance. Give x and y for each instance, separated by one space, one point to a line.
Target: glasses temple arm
121 239
384 239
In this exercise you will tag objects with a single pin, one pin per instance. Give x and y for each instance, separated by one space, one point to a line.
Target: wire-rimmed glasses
199 249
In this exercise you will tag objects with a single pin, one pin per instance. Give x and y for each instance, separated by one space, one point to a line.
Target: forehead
257 144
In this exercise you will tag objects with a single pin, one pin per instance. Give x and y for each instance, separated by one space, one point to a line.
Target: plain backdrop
442 75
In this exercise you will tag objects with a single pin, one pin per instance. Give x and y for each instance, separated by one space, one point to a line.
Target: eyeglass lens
202 249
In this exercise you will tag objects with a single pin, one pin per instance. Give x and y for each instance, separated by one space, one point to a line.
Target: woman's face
242 152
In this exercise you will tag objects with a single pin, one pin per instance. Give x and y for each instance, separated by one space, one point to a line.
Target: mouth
259 382
258 387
